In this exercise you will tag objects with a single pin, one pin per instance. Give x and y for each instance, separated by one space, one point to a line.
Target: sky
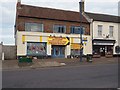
8 9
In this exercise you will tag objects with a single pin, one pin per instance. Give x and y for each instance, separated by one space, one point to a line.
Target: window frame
100 30
72 31
41 29
59 28
111 30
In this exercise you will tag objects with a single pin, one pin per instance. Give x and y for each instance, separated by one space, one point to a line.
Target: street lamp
81 31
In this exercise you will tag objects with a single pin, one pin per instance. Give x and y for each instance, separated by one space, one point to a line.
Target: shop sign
103 43
84 39
58 40
76 46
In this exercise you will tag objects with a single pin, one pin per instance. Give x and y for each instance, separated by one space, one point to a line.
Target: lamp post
81 31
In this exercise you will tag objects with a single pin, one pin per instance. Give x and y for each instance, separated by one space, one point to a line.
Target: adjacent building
48 32
105 31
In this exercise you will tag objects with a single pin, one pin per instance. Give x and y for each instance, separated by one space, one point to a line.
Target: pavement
42 63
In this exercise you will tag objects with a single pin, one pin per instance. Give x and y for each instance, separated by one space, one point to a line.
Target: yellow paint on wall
23 38
40 38
71 40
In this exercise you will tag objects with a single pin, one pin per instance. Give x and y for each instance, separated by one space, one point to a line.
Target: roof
49 13
103 17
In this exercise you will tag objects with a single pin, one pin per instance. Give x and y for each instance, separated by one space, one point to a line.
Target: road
83 76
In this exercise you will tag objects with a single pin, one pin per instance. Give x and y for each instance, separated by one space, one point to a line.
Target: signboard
76 46
84 39
58 40
103 44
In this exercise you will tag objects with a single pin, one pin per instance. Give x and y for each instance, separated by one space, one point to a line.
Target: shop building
47 32
104 31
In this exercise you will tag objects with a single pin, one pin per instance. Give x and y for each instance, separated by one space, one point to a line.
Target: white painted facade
43 37
105 31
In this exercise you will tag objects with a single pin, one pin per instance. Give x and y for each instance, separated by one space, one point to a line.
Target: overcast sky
8 9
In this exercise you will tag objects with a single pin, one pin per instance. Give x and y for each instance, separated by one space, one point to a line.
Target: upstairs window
76 30
34 27
100 30
111 31
59 29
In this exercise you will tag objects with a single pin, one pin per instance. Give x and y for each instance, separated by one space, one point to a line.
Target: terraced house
48 32
105 31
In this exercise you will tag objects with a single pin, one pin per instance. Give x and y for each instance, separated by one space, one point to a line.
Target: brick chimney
81 3
19 4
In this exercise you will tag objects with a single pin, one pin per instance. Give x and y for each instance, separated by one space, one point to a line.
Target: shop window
76 30
100 30
109 50
59 29
34 27
75 52
96 50
111 31
36 49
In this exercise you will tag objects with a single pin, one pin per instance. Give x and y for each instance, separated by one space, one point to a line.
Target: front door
102 50
58 51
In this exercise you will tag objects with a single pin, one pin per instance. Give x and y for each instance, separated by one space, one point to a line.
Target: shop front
51 46
58 45
103 47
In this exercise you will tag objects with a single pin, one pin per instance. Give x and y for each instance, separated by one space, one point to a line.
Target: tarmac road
85 76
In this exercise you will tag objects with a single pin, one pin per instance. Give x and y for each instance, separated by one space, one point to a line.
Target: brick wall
48 24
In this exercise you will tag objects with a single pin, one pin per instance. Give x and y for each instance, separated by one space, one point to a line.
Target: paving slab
38 63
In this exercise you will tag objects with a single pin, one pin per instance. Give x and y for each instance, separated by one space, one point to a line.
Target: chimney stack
81 3
18 4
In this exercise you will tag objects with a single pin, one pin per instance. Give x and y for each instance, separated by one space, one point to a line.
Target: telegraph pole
81 31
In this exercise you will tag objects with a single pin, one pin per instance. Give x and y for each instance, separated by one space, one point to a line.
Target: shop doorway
102 50
58 51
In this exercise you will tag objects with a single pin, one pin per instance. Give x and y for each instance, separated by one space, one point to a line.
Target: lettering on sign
58 40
